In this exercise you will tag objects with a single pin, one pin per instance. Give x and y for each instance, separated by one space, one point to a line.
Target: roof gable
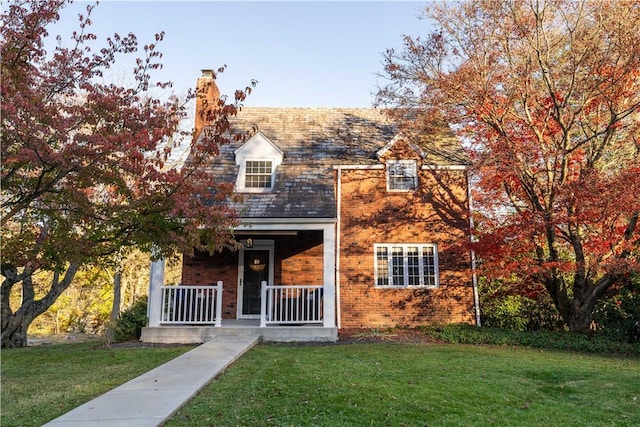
396 139
258 147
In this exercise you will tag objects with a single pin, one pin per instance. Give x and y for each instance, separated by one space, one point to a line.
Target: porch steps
150 399
198 334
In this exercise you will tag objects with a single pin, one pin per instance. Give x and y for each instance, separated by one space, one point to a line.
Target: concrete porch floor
193 334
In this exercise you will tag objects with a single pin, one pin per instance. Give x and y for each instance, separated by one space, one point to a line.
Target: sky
301 53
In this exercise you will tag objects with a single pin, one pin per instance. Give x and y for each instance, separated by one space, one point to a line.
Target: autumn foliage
87 166
546 97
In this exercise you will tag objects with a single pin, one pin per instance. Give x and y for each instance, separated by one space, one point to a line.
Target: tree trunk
5 306
556 288
581 321
575 314
577 311
15 334
581 315
115 308
15 325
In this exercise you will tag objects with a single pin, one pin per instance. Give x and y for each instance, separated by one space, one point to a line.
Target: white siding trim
358 167
445 167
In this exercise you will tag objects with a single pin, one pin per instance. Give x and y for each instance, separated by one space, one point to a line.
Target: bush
520 313
131 321
555 340
618 317
504 312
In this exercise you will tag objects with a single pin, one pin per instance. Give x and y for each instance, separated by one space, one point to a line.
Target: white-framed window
402 175
403 265
258 174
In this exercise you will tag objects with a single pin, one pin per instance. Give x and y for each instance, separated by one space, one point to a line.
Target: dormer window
402 175
258 160
258 174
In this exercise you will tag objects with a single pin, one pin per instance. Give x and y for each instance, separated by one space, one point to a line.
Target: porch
193 314
279 285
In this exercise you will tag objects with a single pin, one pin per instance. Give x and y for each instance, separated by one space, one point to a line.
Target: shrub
131 321
504 312
520 313
618 317
554 340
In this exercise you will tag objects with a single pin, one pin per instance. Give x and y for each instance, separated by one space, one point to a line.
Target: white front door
255 265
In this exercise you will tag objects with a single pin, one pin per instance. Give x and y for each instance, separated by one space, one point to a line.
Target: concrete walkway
152 398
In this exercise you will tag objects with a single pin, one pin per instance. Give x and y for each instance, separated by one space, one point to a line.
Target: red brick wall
297 261
300 259
369 215
205 269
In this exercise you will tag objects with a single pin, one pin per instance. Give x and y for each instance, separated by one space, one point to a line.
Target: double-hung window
406 265
402 175
258 174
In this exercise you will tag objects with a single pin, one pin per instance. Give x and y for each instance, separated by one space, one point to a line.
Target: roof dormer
400 157
258 159
400 138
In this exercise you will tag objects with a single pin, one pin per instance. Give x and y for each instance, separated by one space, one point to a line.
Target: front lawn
418 385
43 382
352 384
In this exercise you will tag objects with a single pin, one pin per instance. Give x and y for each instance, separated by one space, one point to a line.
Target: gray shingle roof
313 140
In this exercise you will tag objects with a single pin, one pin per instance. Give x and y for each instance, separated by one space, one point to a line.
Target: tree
85 164
546 96
85 306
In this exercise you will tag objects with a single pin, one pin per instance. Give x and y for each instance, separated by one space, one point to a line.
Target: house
345 223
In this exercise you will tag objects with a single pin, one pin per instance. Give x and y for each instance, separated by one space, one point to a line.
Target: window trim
259 164
242 176
414 167
421 266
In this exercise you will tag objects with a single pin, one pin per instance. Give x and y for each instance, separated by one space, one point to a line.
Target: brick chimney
207 96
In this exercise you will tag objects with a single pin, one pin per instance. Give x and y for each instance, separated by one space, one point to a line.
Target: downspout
474 277
337 251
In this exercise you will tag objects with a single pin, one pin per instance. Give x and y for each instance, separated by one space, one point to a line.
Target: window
402 175
258 174
406 265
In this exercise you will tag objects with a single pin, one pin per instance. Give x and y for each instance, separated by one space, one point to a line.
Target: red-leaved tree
546 96
86 165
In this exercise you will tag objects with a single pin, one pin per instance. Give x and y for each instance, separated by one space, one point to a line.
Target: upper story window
258 160
258 174
406 265
402 175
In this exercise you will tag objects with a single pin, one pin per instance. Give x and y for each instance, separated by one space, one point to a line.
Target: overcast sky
302 53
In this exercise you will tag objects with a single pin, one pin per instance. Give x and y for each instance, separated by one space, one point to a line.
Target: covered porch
279 286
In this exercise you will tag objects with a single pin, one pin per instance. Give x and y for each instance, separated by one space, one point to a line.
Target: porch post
329 276
263 304
154 303
218 293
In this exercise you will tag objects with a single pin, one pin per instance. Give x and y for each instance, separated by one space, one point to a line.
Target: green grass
357 384
418 385
41 383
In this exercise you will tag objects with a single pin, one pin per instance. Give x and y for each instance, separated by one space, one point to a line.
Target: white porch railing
291 305
189 305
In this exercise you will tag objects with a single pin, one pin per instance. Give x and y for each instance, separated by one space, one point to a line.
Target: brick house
345 223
